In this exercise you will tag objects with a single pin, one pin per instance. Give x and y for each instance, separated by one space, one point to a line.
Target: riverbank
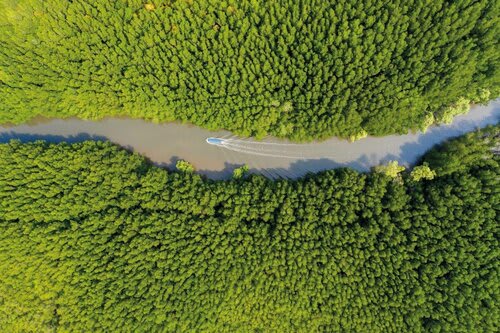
165 144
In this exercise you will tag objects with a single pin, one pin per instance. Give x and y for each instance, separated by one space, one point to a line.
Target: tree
460 154
184 166
94 238
292 69
448 113
391 169
240 172
422 172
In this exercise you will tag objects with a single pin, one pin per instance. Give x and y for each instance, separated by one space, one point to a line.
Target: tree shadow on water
168 165
225 173
301 168
5 137
412 152
409 152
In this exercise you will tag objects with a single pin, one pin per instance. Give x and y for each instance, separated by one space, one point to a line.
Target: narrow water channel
164 144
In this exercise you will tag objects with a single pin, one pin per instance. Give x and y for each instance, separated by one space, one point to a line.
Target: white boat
215 141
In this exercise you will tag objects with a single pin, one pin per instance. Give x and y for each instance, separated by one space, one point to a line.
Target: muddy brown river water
164 144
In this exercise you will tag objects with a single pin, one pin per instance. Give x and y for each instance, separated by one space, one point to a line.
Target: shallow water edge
164 144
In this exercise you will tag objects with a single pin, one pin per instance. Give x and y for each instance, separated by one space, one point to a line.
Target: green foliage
391 169
240 172
422 172
184 166
462 106
482 96
95 239
300 69
358 136
471 150
429 120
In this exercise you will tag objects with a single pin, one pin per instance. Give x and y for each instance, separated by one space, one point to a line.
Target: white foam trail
265 143
253 151
265 149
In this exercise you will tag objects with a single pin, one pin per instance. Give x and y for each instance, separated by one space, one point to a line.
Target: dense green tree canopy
464 152
291 68
93 238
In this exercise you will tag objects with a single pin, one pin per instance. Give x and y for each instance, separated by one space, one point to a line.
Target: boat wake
269 149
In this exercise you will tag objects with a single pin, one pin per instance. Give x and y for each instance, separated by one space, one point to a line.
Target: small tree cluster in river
292 68
95 239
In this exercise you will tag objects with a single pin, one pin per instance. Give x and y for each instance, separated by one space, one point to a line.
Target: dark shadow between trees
28 137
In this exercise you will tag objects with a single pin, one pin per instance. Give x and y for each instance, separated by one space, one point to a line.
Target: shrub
184 166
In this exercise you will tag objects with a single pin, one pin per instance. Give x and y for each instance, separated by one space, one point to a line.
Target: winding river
164 144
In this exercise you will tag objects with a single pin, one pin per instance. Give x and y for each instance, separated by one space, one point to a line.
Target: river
164 144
